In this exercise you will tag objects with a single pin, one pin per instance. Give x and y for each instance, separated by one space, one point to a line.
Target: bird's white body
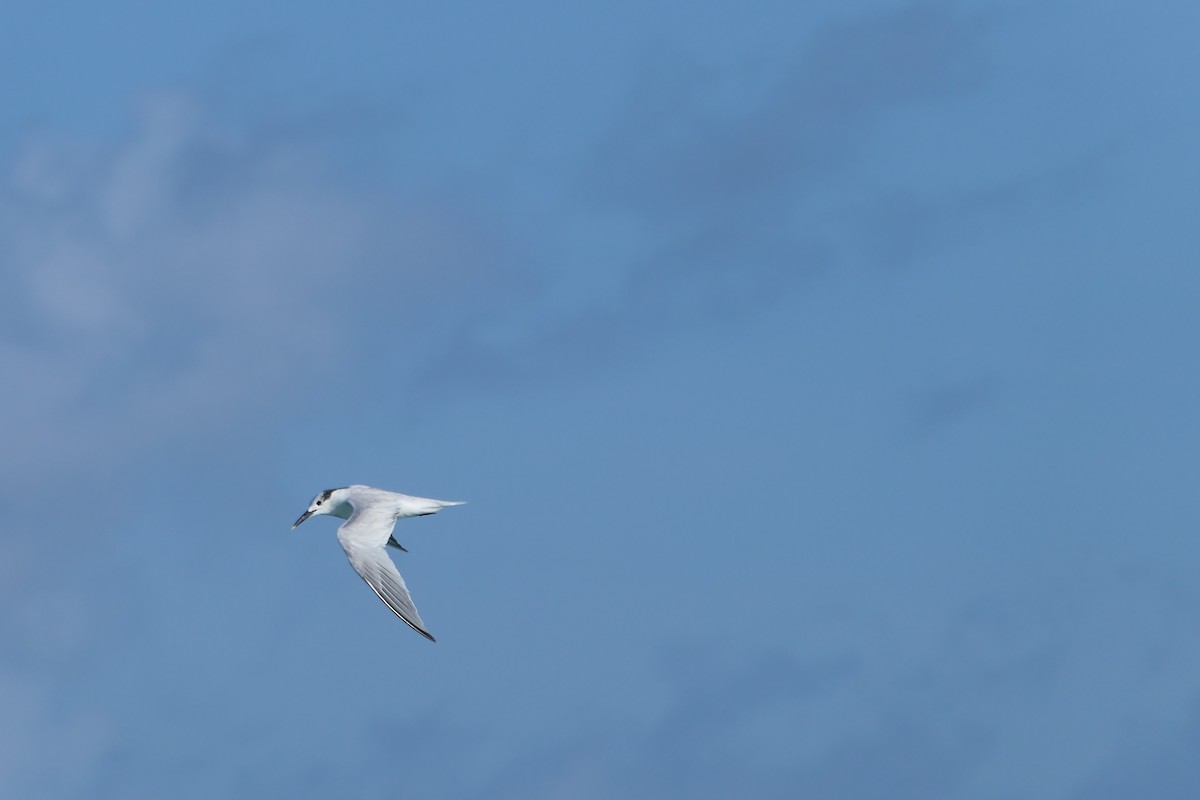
370 516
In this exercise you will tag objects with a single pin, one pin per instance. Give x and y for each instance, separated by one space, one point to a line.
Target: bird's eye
318 502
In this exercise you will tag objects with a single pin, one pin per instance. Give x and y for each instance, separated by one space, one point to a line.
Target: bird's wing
363 537
374 566
370 524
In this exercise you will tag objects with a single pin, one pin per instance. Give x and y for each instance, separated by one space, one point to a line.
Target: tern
366 534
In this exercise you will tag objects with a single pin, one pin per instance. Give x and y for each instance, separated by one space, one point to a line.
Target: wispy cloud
182 280
715 194
937 703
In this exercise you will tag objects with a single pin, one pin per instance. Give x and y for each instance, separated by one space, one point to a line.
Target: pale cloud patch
174 281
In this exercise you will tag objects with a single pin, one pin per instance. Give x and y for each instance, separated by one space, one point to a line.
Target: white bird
366 534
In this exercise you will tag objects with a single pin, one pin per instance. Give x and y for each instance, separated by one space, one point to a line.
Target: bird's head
327 502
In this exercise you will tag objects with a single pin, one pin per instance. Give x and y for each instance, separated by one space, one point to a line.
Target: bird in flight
366 534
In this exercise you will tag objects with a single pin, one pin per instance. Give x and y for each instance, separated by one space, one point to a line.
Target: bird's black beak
303 517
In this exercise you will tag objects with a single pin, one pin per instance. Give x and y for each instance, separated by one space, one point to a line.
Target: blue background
822 378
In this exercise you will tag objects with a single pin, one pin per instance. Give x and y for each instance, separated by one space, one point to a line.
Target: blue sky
821 380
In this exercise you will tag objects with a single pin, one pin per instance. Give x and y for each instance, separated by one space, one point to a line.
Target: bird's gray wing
373 564
363 537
